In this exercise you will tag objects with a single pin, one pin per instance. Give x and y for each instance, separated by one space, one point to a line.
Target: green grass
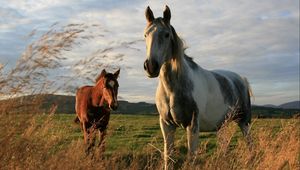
126 132
129 138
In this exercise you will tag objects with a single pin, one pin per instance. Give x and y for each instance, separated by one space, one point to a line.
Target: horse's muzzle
114 106
151 67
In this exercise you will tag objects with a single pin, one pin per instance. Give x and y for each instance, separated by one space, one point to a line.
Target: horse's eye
167 35
145 35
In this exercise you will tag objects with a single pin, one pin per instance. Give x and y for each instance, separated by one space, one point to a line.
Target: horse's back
84 90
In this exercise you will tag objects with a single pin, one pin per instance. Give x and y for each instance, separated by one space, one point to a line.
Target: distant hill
126 107
290 105
42 103
274 112
270 105
66 104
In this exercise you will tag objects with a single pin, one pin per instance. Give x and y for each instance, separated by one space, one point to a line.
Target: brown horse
93 106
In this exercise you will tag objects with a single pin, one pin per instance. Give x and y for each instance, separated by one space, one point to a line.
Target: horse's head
110 88
161 41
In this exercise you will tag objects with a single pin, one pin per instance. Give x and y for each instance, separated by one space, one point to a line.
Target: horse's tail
76 120
249 89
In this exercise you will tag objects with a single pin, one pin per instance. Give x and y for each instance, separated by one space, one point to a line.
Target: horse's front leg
193 136
168 132
102 134
92 136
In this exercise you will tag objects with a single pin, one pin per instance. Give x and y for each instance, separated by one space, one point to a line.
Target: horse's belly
208 126
213 118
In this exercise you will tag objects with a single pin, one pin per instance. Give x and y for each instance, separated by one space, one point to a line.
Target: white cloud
259 39
33 6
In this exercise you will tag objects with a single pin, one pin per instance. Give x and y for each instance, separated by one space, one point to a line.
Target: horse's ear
149 15
116 74
102 74
167 15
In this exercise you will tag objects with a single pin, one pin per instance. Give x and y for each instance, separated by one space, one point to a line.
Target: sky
257 39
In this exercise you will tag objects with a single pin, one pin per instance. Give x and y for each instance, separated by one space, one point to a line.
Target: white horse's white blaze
187 95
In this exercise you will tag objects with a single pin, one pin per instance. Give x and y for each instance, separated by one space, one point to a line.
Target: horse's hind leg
85 133
245 122
245 128
76 119
86 136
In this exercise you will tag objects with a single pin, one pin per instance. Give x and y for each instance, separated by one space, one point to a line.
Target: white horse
187 95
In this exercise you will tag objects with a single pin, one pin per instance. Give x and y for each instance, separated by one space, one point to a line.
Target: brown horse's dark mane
97 91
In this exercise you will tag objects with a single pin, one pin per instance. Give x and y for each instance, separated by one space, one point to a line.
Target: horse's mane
178 50
191 62
98 78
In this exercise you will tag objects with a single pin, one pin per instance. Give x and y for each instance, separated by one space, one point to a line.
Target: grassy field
135 142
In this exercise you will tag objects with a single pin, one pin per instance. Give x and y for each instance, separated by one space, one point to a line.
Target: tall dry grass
33 143
269 150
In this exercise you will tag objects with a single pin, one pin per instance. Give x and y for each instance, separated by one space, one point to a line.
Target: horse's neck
97 93
174 74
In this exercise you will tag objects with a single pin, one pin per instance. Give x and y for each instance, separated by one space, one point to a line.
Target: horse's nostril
146 65
155 65
151 66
